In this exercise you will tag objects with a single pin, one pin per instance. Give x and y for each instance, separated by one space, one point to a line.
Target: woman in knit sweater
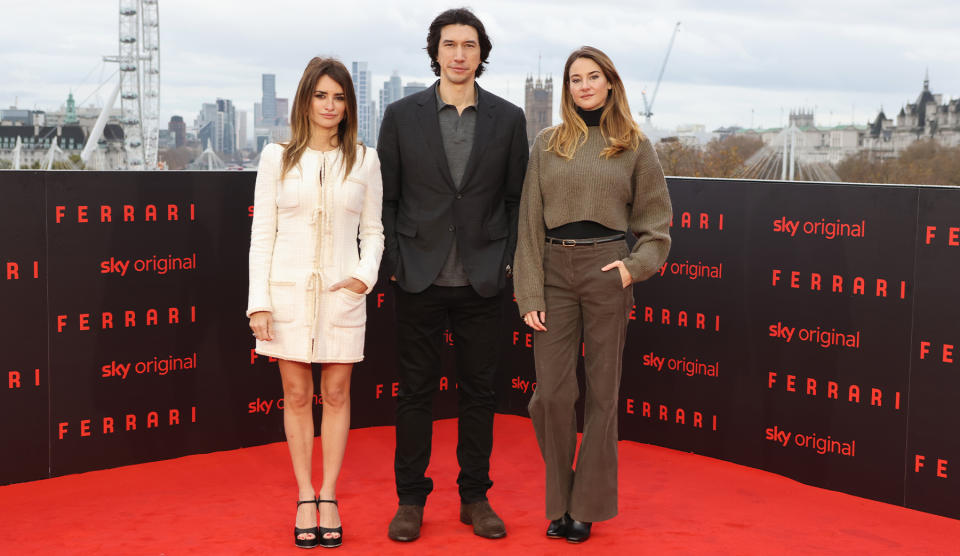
315 197
589 181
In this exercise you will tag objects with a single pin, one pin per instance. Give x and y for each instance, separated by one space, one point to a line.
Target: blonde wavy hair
617 126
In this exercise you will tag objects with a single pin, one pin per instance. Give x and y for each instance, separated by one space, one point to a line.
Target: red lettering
82 213
172 212
833 390
853 394
128 213
85 427
59 212
151 317
105 213
153 420
858 286
107 425
131 422
150 213
881 288
13 271
837 284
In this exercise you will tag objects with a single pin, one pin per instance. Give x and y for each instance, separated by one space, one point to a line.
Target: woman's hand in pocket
625 277
352 284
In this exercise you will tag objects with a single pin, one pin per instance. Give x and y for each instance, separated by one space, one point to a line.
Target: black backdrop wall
805 329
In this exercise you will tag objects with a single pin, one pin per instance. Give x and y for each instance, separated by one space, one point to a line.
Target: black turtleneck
590 117
584 229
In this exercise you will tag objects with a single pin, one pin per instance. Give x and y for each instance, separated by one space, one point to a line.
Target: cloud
731 60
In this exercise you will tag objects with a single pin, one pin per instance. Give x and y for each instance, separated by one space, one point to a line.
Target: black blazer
422 210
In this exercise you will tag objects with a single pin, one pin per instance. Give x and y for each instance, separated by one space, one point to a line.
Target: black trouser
474 324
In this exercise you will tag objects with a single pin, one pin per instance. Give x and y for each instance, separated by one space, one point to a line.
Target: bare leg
334 427
298 426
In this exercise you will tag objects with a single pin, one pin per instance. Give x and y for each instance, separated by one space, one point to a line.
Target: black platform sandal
315 531
332 542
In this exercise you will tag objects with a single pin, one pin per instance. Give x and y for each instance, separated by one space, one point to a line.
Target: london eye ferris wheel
138 85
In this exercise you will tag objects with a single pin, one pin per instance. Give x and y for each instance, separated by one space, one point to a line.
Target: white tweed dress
303 240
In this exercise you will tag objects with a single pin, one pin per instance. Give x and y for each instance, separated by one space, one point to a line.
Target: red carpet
242 502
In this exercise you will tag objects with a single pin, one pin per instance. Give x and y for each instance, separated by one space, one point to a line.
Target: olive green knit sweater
626 192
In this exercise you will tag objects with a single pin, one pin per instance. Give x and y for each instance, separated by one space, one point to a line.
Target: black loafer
558 527
578 531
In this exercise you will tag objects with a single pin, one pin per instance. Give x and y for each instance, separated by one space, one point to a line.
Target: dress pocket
283 296
349 309
353 192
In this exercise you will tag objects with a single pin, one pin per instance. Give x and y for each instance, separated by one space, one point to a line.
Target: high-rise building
257 115
366 107
217 126
226 126
539 106
178 129
269 103
242 129
392 91
413 87
283 112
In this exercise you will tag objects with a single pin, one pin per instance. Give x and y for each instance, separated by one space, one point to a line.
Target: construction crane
648 106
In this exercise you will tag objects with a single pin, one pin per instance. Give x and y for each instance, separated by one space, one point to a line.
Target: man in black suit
453 158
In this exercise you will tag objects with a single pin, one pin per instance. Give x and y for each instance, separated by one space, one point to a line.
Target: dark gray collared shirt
456 134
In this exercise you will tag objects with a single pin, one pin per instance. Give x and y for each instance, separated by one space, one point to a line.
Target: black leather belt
577 242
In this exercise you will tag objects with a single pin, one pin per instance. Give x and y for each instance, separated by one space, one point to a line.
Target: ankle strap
305 502
334 502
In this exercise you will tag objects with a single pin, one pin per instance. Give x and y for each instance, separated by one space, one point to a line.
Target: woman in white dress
316 196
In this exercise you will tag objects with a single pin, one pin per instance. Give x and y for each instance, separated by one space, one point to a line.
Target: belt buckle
568 242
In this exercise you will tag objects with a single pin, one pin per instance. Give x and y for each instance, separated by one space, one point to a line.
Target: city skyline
743 64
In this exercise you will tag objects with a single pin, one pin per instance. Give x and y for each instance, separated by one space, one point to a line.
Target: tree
720 158
925 162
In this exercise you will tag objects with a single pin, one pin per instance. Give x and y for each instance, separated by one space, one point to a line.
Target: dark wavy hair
457 16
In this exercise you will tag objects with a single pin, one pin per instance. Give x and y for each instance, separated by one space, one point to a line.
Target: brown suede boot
485 521
405 525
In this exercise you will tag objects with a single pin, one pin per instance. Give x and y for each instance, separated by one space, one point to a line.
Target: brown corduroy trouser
580 298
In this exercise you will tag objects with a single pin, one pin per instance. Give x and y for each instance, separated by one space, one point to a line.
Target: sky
734 62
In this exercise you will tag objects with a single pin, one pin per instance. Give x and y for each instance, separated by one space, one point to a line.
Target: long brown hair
300 114
616 124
